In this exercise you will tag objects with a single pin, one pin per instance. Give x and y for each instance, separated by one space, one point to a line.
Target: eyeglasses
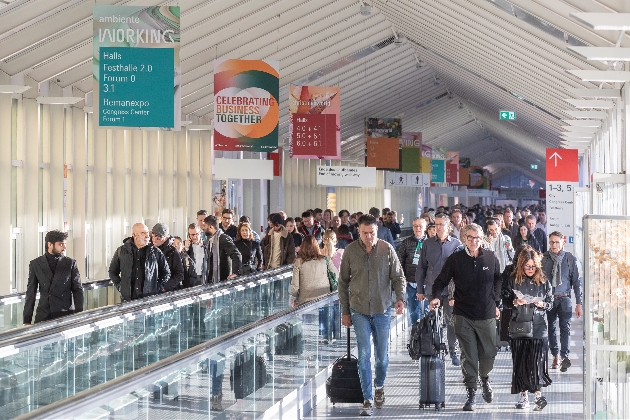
529 267
473 238
417 226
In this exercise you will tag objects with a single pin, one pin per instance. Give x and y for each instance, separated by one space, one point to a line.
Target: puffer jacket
156 270
529 288
174 261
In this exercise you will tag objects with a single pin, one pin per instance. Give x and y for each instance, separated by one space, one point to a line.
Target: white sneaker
368 409
539 403
523 402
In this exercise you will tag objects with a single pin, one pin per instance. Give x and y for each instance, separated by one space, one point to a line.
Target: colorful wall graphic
314 123
246 105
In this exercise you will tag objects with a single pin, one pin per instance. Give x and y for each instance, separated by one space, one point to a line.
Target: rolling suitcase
344 385
432 382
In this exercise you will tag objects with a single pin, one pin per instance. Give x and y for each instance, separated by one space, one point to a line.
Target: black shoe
470 399
565 364
487 390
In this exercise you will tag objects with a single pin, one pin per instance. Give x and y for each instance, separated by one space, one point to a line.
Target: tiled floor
401 389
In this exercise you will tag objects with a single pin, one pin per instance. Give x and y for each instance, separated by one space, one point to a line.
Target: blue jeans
329 325
560 316
378 327
415 309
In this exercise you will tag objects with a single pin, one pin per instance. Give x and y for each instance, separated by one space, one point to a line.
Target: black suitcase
503 329
344 385
248 373
432 382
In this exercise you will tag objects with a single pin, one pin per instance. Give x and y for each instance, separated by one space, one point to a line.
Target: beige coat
310 279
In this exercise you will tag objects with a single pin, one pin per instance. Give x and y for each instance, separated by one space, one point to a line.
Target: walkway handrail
21 297
92 318
101 394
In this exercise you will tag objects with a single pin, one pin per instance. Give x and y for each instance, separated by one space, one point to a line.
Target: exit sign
507 115
533 166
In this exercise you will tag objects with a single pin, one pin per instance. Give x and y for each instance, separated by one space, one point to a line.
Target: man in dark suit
58 280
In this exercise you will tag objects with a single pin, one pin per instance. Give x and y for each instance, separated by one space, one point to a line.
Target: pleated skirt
529 364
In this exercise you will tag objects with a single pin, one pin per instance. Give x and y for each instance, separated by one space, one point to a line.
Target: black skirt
529 364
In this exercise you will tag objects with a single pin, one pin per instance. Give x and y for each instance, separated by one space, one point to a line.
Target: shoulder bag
332 277
522 322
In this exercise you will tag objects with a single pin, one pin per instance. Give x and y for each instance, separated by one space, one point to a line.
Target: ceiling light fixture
419 63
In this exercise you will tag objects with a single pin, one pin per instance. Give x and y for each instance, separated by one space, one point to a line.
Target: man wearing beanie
164 242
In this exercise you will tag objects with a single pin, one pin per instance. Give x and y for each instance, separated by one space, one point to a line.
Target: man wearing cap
278 246
138 268
161 239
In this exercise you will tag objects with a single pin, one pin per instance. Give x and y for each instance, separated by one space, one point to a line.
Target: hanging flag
246 105
452 167
314 122
425 160
382 142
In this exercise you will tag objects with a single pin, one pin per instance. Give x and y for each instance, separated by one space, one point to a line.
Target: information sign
310 132
507 115
135 87
402 179
560 210
346 176
137 73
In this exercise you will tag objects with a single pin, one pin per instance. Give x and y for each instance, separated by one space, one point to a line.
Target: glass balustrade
39 371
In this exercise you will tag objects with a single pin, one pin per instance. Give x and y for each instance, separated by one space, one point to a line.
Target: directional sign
507 115
562 165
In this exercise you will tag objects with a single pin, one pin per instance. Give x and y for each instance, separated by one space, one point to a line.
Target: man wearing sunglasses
560 267
477 278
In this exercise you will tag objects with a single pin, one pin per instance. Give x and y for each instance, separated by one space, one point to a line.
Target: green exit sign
533 166
507 115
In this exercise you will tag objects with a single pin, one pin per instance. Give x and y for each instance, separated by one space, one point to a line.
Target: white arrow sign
555 158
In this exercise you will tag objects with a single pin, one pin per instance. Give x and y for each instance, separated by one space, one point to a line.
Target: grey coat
56 292
432 258
156 270
529 288
366 280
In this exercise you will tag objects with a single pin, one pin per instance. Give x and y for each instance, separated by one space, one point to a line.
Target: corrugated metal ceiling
482 56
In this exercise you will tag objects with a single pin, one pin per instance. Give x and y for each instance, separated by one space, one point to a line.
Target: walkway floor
565 395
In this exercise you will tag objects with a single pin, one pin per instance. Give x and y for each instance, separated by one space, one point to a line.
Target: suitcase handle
349 355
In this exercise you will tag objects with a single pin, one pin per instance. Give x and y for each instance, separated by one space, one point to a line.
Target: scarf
556 271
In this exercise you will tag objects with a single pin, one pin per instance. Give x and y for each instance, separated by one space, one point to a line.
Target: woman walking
529 342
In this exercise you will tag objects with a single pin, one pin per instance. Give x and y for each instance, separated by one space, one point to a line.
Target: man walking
435 252
511 227
383 233
310 227
222 260
560 267
539 234
58 280
369 271
278 246
138 268
227 223
409 255
477 278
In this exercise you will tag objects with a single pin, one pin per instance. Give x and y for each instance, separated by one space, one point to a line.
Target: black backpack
426 336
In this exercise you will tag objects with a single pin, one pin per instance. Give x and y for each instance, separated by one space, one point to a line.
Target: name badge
416 259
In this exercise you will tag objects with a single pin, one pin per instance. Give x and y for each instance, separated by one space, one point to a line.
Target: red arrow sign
562 165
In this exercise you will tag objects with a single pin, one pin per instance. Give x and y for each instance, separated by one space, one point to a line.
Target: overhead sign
560 209
507 115
383 153
246 105
137 72
438 169
562 165
452 167
242 169
314 123
533 166
346 176
402 179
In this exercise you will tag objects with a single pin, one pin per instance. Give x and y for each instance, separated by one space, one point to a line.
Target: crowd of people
476 263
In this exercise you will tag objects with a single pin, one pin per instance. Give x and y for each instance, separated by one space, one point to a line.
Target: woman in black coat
529 354
526 237
250 249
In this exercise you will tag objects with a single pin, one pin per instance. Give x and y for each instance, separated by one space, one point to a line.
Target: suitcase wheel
437 407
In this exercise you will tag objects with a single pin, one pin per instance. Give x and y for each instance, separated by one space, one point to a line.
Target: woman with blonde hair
330 248
529 295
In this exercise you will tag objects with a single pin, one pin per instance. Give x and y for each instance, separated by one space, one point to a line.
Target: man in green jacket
369 270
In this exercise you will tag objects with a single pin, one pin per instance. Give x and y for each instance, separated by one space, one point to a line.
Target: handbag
332 277
522 322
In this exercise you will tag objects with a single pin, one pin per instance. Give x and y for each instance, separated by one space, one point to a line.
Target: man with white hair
477 278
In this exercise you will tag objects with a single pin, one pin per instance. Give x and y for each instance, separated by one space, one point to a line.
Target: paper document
528 298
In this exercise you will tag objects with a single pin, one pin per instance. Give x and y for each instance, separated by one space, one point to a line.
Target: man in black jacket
222 260
138 268
58 280
477 277
161 239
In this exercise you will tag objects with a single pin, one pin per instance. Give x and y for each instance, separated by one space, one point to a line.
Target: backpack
426 336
